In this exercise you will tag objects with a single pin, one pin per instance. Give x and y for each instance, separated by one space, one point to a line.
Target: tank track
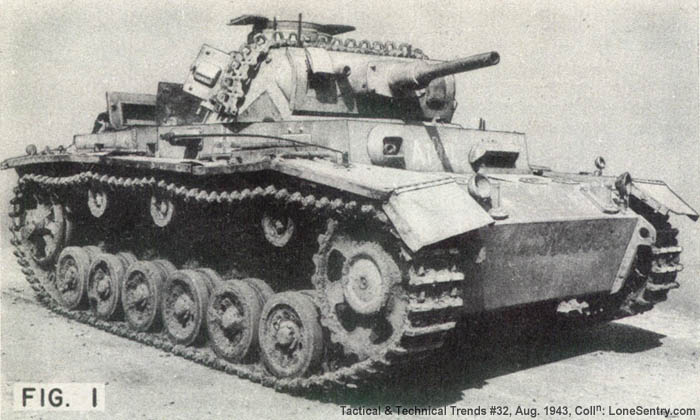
656 270
434 293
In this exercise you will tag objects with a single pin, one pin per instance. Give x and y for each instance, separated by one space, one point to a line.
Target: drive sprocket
362 300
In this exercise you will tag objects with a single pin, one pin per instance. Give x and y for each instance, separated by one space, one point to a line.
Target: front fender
660 197
425 208
426 214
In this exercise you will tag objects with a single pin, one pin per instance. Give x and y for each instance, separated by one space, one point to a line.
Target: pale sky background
581 78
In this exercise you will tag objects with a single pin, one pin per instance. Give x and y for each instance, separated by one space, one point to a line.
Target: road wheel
72 271
290 336
232 320
105 283
184 305
142 293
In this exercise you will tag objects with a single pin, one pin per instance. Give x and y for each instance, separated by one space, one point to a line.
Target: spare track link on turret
246 61
429 315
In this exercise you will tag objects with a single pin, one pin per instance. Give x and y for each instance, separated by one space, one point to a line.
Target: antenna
299 43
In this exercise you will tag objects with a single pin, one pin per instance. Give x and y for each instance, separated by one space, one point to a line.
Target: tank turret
299 68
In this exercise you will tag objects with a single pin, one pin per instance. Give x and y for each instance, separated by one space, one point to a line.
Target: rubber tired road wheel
142 292
290 336
105 283
232 320
184 305
72 271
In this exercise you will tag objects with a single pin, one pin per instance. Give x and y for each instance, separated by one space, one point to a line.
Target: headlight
479 187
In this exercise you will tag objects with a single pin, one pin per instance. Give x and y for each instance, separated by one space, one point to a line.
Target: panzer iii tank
302 212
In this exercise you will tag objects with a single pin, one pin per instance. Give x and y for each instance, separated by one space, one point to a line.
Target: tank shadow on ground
466 364
469 359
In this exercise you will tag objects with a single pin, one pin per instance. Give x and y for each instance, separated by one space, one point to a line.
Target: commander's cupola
302 32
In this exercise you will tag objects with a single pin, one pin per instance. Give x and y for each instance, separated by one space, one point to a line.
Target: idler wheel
105 283
184 305
142 293
97 202
290 336
45 231
278 228
232 320
71 278
162 210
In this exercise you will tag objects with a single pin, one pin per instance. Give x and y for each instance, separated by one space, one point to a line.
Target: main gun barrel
419 74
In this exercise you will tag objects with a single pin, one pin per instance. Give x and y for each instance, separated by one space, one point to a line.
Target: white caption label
74 396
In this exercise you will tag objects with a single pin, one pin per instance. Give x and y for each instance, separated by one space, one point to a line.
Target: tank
303 212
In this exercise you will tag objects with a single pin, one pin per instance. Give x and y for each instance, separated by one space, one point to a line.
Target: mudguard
654 193
425 208
660 197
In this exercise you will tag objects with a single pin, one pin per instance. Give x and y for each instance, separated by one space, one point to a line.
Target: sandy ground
649 360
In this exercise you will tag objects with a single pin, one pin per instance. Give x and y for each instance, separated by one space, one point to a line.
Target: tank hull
453 259
556 242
